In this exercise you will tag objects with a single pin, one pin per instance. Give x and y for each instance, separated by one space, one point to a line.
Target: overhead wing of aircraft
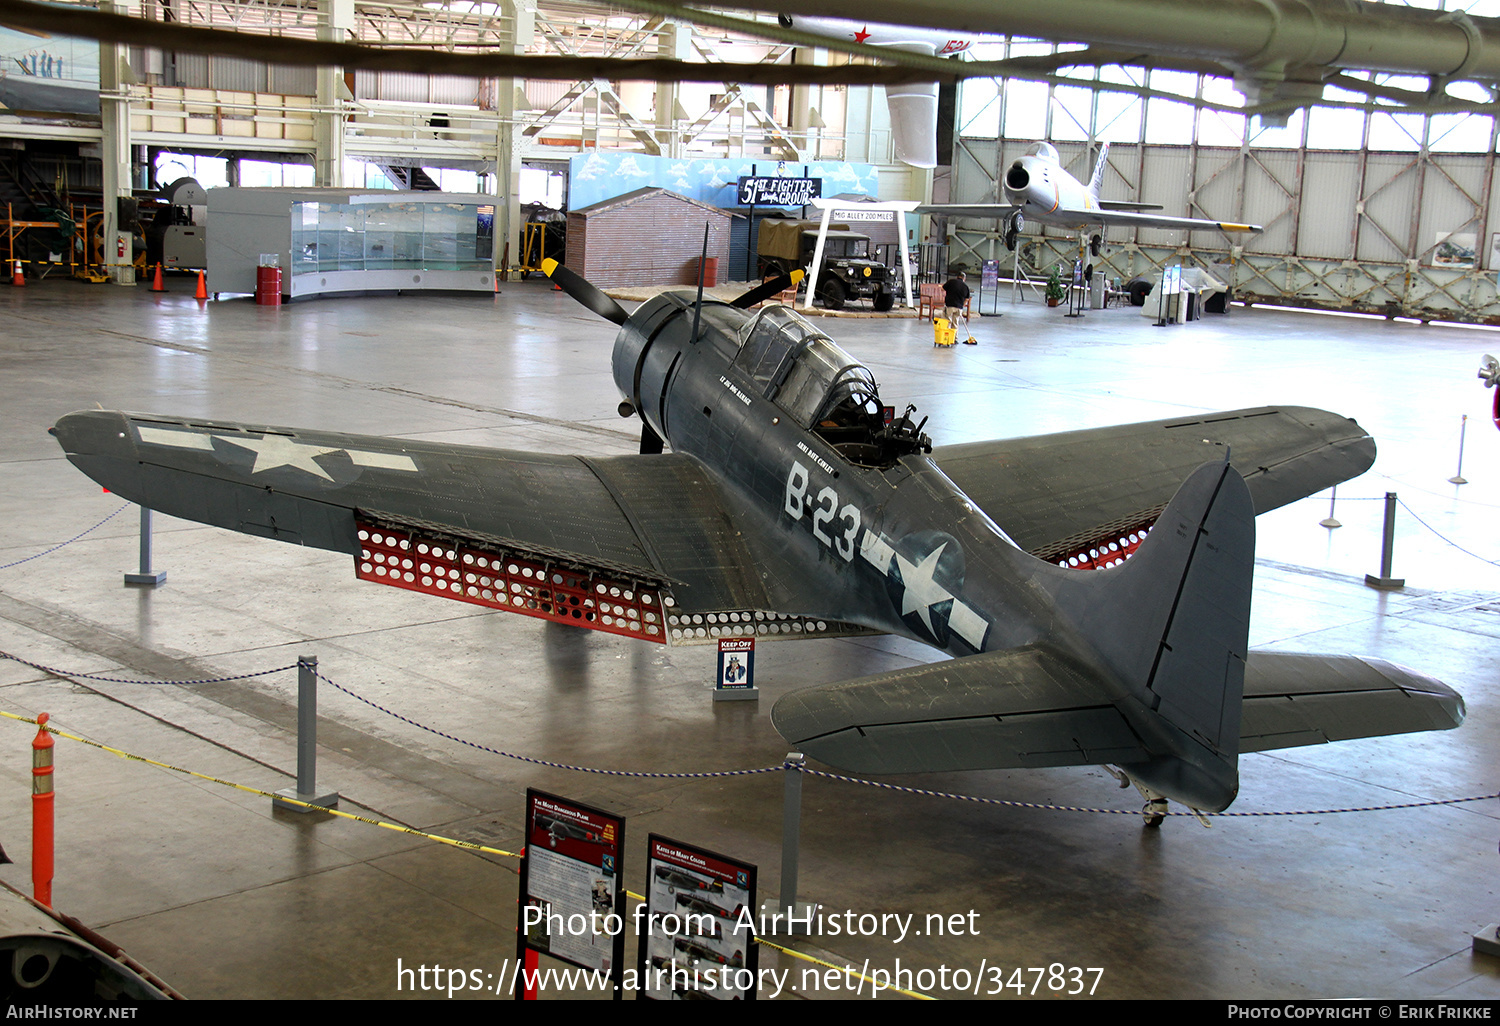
913 107
1092 587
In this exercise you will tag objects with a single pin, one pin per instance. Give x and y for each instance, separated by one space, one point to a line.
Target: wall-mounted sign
864 215
779 192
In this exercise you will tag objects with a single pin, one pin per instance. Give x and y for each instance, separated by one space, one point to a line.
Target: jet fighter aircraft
1037 187
1092 588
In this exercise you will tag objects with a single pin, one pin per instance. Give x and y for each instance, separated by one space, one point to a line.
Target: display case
334 240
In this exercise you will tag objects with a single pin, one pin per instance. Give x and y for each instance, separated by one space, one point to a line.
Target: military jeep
847 273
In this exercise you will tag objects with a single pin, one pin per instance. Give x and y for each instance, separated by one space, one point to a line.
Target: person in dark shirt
955 295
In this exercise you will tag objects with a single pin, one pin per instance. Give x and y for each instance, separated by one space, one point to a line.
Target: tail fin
1173 626
1097 182
1144 668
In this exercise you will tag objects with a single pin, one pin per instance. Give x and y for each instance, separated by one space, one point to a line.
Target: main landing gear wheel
1013 228
1096 244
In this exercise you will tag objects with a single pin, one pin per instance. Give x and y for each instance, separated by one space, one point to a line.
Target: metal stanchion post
307 744
1458 477
796 915
1387 548
41 813
146 576
1329 521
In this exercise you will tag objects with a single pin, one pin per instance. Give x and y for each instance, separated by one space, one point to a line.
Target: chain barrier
712 774
70 541
1442 537
67 675
545 762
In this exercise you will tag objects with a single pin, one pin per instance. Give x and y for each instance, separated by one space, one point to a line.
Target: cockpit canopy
1044 150
804 372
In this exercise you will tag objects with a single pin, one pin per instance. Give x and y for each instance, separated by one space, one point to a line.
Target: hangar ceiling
1377 198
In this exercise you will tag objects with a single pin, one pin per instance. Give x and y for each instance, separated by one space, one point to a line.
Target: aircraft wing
1028 708
1051 493
1079 220
660 521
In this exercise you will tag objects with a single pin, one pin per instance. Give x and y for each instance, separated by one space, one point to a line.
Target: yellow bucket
943 333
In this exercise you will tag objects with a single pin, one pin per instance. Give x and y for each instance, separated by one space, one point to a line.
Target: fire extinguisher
120 247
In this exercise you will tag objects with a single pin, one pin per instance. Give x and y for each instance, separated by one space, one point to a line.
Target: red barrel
710 270
268 286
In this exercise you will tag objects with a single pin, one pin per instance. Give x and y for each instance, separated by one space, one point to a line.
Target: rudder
1172 624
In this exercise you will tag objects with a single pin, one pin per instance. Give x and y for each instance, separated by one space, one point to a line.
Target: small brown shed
647 237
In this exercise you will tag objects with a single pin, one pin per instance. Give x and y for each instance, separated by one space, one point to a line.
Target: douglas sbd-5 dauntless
793 505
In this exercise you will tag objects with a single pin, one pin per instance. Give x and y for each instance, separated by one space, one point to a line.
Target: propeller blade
766 290
578 287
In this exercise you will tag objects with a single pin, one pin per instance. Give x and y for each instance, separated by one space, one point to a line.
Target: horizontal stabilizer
1293 699
1022 707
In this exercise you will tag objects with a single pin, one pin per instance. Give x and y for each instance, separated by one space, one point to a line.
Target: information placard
572 897
699 936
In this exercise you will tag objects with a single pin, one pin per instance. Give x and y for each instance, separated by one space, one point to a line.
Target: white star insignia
272 451
922 592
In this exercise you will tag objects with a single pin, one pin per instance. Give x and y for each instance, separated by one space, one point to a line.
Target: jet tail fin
1097 182
1172 626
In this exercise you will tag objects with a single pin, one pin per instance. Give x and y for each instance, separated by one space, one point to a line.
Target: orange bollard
41 812
156 283
202 292
18 279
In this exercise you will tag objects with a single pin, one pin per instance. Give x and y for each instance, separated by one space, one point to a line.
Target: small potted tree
1055 290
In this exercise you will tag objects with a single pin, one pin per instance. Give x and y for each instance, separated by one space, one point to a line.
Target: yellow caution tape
452 841
846 970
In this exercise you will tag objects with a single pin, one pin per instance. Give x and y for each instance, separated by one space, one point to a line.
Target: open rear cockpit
823 389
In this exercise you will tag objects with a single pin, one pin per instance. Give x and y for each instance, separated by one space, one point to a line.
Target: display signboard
778 192
572 903
699 940
736 664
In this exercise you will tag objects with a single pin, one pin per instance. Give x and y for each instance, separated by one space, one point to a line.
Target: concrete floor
224 897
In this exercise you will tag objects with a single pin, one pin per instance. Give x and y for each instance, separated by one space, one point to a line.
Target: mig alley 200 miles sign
571 885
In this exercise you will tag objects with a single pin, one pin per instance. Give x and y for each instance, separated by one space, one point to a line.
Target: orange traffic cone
202 292
156 285
18 279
